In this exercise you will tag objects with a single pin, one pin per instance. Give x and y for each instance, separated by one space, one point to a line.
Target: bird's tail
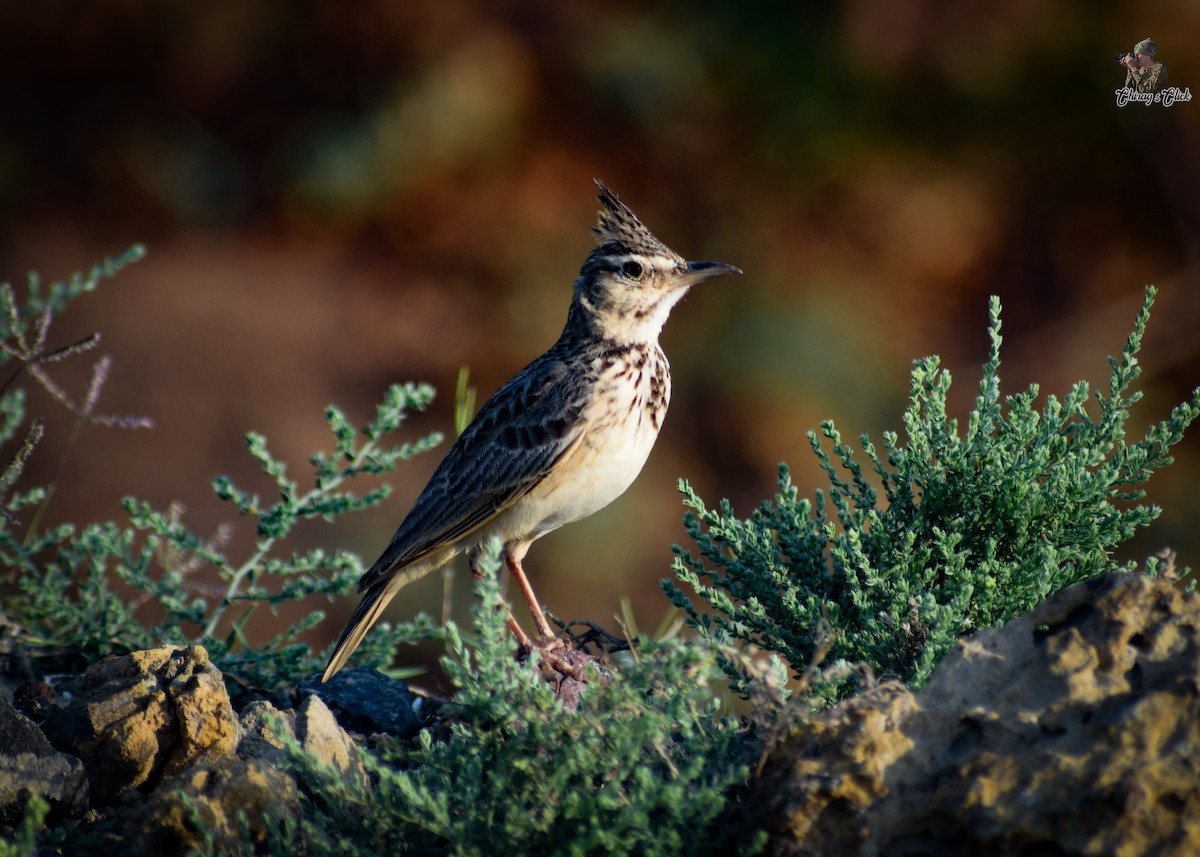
371 608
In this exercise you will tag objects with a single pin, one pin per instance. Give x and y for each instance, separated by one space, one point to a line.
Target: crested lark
562 439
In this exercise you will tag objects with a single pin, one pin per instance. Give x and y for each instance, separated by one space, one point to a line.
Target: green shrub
644 765
964 531
24 839
944 533
65 576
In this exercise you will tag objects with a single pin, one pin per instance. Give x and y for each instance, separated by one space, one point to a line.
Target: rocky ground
1074 730
150 740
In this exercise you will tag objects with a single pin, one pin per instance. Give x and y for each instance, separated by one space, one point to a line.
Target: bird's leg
521 636
539 617
517 632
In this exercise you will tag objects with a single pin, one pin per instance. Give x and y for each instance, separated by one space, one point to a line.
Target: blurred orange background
337 196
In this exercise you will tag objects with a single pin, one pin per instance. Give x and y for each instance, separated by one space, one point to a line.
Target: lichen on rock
139 717
1074 728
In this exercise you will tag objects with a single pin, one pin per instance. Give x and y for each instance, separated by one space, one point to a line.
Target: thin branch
16 464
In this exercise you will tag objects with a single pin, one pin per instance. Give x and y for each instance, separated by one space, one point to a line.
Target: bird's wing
528 427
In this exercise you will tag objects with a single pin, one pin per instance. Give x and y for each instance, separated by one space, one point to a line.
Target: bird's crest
619 230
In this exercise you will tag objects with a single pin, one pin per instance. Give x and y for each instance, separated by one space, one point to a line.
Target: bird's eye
632 270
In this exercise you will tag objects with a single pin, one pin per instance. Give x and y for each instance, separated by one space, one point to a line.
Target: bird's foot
569 669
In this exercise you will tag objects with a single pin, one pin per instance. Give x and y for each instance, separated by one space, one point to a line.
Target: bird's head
629 283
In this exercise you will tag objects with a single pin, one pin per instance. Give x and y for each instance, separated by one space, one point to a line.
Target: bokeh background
339 195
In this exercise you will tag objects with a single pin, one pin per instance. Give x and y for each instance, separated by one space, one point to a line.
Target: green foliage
66 577
464 400
69 573
644 765
34 554
269 577
963 532
943 534
24 841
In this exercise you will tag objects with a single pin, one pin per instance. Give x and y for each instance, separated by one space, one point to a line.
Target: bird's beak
698 272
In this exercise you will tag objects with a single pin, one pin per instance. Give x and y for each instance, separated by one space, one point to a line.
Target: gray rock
326 741
29 765
313 726
1073 730
231 806
367 702
260 722
139 717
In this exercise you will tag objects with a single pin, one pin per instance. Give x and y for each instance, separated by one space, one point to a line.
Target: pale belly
607 461
599 473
